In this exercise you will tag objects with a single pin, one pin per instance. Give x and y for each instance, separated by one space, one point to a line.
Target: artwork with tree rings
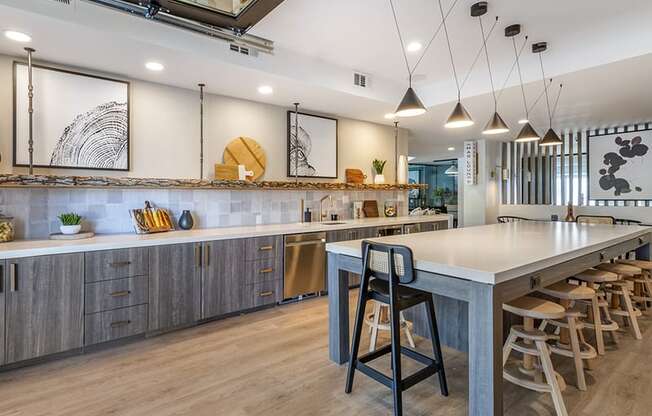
619 166
314 152
80 121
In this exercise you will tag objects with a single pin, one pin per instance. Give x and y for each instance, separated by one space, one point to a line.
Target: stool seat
620 269
641 264
382 287
564 290
531 307
596 276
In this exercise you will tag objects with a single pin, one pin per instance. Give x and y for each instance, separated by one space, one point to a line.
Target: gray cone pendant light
527 134
496 124
551 138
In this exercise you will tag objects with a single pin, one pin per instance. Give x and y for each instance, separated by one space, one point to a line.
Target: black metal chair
624 221
385 268
508 218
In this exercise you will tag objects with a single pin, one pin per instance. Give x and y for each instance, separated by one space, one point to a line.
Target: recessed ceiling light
450 149
18 36
154 66
265 89
414 46
390 116
523 121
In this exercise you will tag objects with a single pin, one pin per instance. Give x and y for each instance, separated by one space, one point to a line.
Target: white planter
70 229
379 179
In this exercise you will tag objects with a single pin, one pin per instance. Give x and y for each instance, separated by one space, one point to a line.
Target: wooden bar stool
571 341
378 320
385 268
643 283
599 319
621 295
521 338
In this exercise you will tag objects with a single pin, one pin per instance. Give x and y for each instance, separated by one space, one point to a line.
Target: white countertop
28 248
500 252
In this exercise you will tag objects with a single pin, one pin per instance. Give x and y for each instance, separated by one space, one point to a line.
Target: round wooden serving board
78 236
246 151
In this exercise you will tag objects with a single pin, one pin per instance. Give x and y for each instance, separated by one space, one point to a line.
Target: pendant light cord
477 55
486 52
441 24
534 104
400 38
520 76
511 70
545 88
554 108
450 50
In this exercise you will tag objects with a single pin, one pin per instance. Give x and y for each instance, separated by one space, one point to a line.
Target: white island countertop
499 252
28 248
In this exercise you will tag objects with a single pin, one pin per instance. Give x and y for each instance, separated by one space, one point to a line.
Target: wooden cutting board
246 151
370 208
227 172
354 176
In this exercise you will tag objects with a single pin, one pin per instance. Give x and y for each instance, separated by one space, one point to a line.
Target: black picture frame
290 113
617 130
77 73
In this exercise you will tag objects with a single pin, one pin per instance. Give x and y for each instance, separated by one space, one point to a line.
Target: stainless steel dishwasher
305 264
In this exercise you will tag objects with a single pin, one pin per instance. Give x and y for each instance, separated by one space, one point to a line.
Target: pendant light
496 124
527 133
550 138
410 105
459 117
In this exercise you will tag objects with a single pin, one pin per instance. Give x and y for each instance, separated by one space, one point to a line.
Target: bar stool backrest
508 218
595 219
625 221
392 263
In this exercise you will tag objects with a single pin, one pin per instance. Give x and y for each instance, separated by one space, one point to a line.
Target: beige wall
165 133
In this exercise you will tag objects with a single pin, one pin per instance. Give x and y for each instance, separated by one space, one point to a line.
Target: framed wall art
314 153
619 166
80 121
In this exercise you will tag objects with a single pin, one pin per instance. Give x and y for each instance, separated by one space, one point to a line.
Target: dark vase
185 220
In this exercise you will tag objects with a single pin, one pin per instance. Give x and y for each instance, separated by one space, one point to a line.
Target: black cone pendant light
459 117
550 138
410 105
527 133
496 124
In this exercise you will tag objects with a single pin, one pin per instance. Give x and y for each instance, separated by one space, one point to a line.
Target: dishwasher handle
306 243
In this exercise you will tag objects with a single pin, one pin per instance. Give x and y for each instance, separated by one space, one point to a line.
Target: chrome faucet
324 215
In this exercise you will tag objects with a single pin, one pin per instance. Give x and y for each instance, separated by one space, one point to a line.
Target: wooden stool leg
597 322
406 328
577 353
551 378
507 348
374 328
633 320
528 360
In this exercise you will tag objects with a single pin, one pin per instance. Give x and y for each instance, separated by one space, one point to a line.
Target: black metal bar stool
385 268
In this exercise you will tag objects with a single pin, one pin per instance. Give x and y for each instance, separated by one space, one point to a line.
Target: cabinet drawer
116 264
115 324
263 247
265 293
113 294
262 270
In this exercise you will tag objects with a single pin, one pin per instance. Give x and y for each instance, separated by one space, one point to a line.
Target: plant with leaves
379 166
70 218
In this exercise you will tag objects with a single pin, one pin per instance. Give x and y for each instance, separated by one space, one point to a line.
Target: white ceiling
319 44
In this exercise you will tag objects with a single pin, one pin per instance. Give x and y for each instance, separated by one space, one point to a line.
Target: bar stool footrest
512 374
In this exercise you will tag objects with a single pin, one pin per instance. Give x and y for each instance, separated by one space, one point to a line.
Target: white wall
480 201
165 133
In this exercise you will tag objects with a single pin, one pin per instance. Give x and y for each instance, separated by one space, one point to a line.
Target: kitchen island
483 267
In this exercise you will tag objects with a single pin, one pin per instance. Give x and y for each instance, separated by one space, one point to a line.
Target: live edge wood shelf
56 181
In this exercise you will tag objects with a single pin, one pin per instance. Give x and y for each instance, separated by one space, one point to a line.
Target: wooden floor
275 362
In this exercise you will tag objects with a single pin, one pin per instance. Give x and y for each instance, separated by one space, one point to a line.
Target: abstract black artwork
620 166
80 121
313 152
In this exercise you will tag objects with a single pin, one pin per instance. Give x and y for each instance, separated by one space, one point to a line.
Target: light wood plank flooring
275 362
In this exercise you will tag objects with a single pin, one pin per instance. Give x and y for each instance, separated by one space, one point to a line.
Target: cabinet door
174 286
44 305
2 309
223 280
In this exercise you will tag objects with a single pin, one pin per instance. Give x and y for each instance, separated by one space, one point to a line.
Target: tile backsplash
107 210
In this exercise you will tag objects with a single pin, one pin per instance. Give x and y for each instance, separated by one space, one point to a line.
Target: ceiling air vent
243 50
360 80
66 2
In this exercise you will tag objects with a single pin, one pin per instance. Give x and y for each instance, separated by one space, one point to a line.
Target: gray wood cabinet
115 264
223 278
2 308
174 285
434 226
352 234
44 305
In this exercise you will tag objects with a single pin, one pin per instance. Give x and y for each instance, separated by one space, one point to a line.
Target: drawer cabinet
115 324
3 268
267 247
262 271
264 293
113 294
116 264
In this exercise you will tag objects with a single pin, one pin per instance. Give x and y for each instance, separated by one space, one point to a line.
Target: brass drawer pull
198 255
118 324
266 248
267 270
2 278
121 293
13 280
265 294
120 263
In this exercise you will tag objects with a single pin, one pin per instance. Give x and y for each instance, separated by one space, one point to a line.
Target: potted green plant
439 193
379 166
70 223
